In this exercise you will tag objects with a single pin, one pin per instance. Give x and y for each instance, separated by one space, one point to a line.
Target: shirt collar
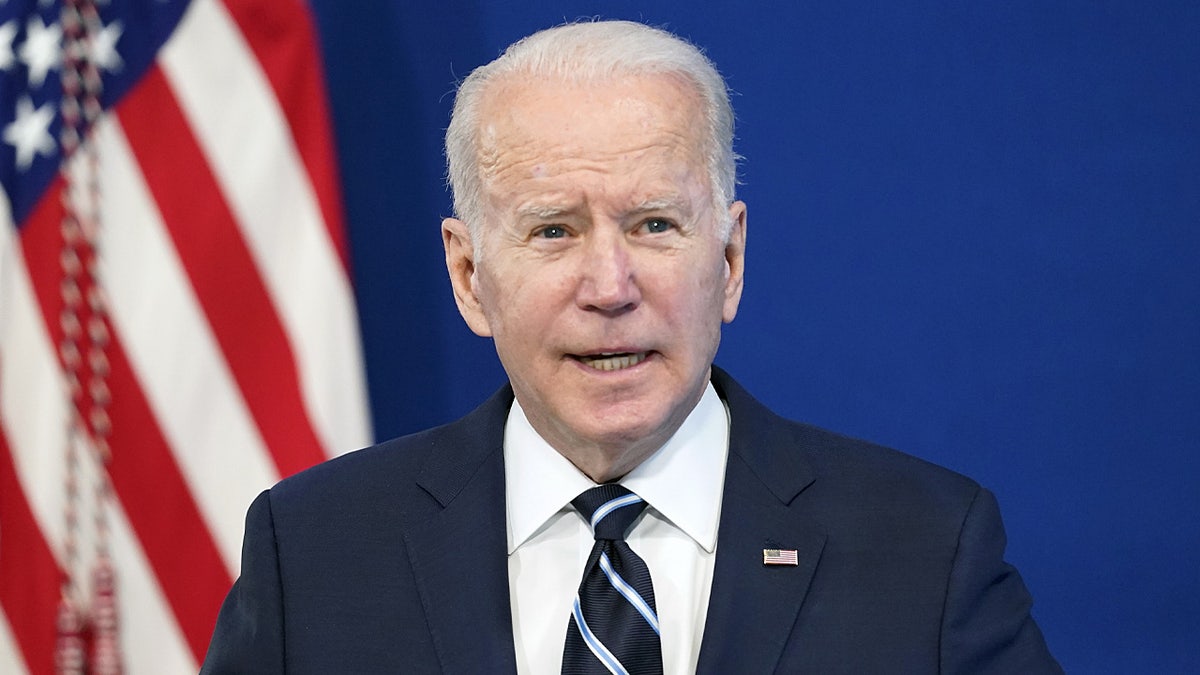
540 482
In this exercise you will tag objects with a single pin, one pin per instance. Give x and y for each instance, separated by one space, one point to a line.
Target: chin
627 431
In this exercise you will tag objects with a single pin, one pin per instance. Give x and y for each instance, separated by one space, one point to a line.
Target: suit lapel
460 563
753 607
459 556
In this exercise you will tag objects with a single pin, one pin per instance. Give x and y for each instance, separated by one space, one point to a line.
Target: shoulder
878 470
392 472
825 469
870 488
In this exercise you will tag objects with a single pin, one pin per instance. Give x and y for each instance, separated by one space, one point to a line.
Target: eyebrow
659 204
552 211
543 211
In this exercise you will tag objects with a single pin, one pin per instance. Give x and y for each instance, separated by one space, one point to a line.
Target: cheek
690 295
516 298
487 288
706 295
707 276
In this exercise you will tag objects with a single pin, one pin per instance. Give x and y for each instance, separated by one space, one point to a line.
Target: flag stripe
32 424
147 482
223 255
33 412
152 639
29 575
32 415
10 659
232 294
244 136
283 39
159 318
33 404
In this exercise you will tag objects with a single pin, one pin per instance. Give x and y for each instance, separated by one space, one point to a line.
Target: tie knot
610 510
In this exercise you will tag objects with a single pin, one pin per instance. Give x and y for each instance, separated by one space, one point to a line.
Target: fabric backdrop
973 236
177 322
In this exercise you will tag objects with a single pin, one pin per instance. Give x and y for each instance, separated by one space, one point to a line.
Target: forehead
646 125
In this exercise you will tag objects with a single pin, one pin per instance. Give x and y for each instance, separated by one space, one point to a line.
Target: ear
460 263
735 261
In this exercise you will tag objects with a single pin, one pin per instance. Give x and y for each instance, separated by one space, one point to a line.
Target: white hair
589 51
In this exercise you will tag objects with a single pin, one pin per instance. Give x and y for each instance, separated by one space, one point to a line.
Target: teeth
613 361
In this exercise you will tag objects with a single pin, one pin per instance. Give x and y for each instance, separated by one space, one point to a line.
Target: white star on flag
7 32
103 47
193 229
29 132
42 49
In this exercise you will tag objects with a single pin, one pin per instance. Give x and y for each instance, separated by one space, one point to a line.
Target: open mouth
612 361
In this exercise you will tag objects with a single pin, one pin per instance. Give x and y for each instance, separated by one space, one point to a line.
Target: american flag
776 556
177 324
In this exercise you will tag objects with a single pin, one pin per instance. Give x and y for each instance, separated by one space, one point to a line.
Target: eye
552 232
657 225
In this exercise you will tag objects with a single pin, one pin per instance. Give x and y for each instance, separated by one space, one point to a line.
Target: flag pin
780 556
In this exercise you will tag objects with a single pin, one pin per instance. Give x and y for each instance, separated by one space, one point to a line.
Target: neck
606 466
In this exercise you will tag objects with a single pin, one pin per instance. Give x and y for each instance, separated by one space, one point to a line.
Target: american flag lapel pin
780 556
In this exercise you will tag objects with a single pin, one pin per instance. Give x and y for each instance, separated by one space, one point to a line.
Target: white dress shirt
549 542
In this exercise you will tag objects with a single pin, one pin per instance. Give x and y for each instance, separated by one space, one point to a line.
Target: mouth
610 361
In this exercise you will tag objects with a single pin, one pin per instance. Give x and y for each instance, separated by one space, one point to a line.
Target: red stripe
144 474
29 574
222 271
283 39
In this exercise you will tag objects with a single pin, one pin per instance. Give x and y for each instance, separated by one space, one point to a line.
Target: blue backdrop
973 235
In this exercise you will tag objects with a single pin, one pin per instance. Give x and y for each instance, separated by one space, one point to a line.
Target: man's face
601 273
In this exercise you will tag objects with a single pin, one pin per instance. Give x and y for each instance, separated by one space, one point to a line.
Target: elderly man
622 506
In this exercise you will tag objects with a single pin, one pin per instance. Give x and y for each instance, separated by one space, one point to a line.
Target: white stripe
628 592
33 410
32 398
151 640
606 658
612 505
10 658
174 354
230 106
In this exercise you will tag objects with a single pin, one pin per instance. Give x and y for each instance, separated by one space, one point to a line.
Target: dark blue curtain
974 235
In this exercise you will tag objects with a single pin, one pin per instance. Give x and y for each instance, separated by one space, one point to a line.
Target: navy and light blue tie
614 623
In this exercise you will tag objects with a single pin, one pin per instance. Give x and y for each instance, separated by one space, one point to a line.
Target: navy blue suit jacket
393 559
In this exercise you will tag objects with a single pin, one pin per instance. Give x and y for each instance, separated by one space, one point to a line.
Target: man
598 242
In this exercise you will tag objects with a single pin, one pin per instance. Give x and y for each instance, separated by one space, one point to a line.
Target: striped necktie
614 624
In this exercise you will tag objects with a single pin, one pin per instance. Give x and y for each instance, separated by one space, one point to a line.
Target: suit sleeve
249 634
987 627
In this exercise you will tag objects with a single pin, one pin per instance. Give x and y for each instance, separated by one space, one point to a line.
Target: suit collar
752 603
463 447
756 435
463 578
459 555
764 441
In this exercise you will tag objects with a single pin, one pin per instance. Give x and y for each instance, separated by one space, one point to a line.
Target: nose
608 282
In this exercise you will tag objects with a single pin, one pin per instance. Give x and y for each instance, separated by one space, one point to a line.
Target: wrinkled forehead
527 119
